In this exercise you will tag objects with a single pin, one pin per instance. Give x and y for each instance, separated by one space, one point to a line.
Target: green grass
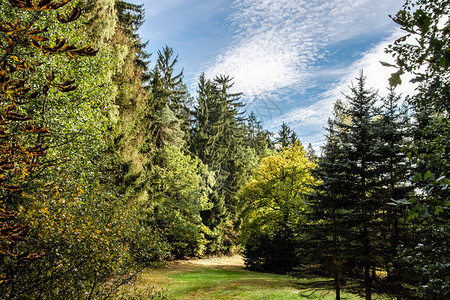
227 279
210 283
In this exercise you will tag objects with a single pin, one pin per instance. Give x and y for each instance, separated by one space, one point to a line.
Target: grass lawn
225 278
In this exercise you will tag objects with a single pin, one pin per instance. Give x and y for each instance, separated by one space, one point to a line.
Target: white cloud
316 115
277 42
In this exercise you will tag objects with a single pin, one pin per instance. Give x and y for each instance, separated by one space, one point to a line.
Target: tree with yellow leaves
270 203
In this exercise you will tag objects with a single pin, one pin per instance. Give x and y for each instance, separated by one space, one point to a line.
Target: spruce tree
324 246
393 130
311 153
360 148
350 175
217 138
170 86
256 137
285 136
131 17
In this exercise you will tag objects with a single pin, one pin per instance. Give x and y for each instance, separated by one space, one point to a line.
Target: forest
109 165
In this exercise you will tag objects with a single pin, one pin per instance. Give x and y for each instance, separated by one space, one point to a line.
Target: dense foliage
429 61
76 222
273 199
108 164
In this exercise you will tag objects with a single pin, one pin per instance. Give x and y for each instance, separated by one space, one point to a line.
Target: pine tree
350 176
284 135
217 138
257 138
311 153
324 246
394 133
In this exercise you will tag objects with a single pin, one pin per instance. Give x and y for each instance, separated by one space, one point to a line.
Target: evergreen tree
394 132
311 153
230 143
135 112
284 135
130 18
360 148
257 138
169 89
426 21
217 138
325 244
350 175
167 85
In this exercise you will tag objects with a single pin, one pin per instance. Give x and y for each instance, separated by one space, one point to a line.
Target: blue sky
291 59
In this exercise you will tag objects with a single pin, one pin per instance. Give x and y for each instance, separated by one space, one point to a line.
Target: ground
225 278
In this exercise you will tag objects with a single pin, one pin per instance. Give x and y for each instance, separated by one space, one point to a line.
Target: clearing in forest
225 278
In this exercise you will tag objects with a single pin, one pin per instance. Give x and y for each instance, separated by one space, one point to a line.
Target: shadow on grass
228 279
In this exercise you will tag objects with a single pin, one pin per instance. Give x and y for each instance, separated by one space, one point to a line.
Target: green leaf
395 79
385 64
422 20
438 210
417 177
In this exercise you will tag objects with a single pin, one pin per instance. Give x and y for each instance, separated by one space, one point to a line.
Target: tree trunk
368 283
337 286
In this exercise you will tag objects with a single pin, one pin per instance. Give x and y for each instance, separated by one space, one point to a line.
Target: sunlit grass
221 279
207 283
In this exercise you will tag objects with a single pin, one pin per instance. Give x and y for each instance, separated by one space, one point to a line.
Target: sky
291 59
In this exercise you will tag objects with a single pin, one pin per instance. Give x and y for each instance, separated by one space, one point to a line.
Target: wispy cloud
315 116
277 42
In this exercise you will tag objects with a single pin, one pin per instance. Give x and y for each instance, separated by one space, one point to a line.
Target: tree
269 203
311 153
360 148
286 136
22 136
177 195
257 138
130 18
324 244
73 182
169 90
394 132
217 138
428 59
349 175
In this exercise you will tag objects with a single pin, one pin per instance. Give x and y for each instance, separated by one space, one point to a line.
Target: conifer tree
311 153
394 132
426 21
324 246
256 137
131 17
360 148
284 135
350 175
169 89
217 138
